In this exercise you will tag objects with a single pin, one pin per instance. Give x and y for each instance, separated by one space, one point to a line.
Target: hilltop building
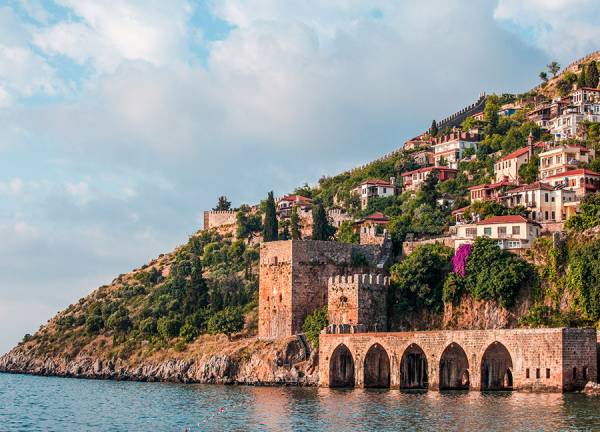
563 158
286 203
374 188
582 181
449 149
372 229
491 191
413 180
511 232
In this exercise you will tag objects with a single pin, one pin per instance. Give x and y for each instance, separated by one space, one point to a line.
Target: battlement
219 218
457 118
365 279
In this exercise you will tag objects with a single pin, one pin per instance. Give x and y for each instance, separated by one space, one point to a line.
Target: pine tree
553 68
270 228
581 79
222 204
285 233
433 131
295 224
321 228
591 76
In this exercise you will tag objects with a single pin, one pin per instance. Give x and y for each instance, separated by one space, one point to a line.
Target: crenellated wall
216 219
550 360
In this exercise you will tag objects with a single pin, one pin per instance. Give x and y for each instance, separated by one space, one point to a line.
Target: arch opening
341 368
377 368
413 368
496 368
454 368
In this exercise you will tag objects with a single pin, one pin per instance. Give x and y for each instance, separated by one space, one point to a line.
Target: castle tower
357 303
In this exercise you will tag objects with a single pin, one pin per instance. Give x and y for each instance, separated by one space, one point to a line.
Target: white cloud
565 29
79 192
115 31
11 187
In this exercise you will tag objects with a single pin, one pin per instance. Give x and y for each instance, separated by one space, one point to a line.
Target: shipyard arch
496 368
413 368
341 368
454 368
377 368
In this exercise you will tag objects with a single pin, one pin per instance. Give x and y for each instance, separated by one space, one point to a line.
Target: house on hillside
286 203
511 232
544 203
372 229
413 180
563 158
374 188
508 166
423 157
449 149
582 181
423 140
491 191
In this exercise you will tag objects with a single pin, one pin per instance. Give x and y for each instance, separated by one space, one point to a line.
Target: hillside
191 315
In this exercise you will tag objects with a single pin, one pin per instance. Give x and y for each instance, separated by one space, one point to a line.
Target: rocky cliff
212 360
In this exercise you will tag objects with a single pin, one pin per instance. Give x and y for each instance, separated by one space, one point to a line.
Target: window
574 373
585 373
471 232
501 231
487 231
384 190
546 197
547 373
516 230
537 373
527 373
553 215
280 297
512 244
546 215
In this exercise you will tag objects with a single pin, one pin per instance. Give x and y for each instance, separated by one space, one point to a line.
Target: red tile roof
575 172
533 186
377 216
502 219
377 182
296 198
493 185
515 154
460 210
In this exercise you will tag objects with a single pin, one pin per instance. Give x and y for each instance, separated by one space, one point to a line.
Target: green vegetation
222 204
227 321
321 230
346 234
583 278
589 215
313 324
295 224
270 229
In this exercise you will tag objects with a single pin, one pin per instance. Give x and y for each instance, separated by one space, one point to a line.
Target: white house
511 232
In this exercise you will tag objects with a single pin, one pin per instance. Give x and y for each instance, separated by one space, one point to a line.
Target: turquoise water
30 403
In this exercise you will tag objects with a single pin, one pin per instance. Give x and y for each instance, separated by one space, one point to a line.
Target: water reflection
33 403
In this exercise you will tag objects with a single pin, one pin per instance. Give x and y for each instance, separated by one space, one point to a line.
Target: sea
30 403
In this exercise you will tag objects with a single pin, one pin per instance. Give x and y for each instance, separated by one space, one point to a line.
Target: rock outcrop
287 361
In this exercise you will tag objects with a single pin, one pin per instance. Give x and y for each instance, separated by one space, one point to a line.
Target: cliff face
287 361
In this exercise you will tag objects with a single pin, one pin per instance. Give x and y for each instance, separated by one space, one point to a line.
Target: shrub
227 321
459 260
583 278
314 323
119 321
495 274
189 332
589 216
93 324
147 327
168 327
453 288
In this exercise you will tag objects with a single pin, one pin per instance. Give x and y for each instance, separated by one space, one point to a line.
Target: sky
121 121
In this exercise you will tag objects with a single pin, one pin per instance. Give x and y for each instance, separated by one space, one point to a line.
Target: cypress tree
295 224
321 228
270 228
591 77
433 131
581 79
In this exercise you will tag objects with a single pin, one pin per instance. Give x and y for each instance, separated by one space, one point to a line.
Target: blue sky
123 120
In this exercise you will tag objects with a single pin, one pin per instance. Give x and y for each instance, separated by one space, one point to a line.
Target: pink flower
459 260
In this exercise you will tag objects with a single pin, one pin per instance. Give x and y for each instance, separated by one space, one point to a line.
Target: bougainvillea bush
459 260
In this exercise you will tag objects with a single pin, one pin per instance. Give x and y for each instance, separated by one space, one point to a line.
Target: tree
553 68
495 274
346 234
285 233
93 324
581 79
591 78
313 324
195 294
588 216
222 204
119 321
583 276
544 77
295 224
321 229
490 114
188 332
419 278
433 130
226 321
270 227
168 327
529 171
247 223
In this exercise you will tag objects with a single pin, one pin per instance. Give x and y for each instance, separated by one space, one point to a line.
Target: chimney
530 144
393 180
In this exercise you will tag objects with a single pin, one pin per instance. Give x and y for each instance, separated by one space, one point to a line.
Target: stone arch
377 367
454 368
413 368
496 368
341 367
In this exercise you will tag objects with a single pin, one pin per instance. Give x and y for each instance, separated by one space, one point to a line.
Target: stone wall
409 247
528 359
216 219
358 301
293 279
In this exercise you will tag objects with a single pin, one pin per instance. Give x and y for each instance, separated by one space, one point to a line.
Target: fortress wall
216 219
531 350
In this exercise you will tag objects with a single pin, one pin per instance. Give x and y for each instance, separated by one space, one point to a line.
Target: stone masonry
216 219
293 279
547 360
357 303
